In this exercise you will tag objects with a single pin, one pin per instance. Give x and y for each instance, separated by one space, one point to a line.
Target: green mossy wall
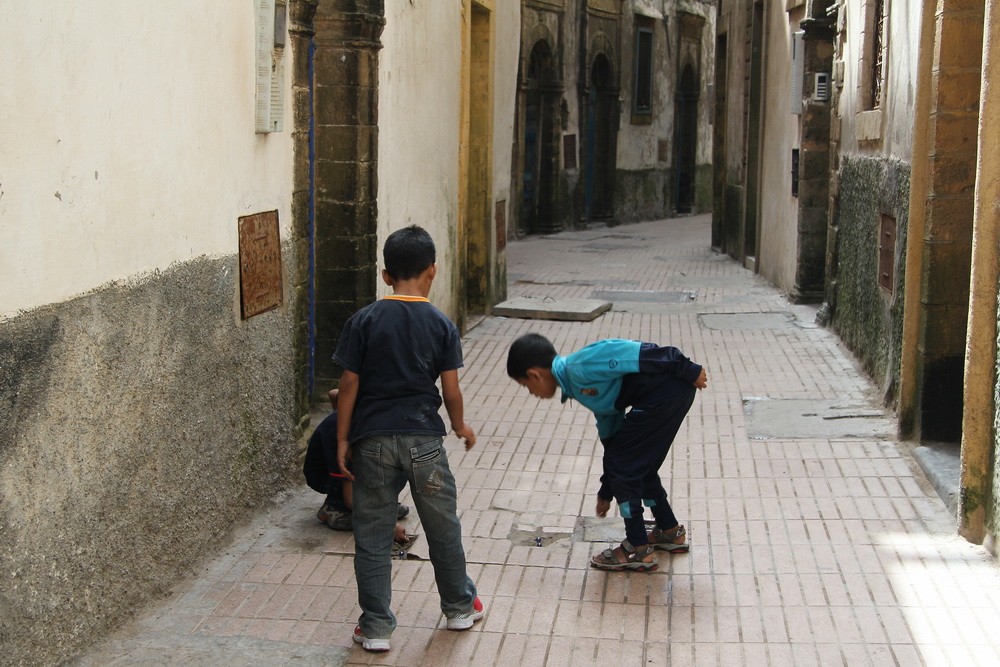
993 510
644 194
867 317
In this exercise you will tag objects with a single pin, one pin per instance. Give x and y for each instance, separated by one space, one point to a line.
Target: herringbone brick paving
805 550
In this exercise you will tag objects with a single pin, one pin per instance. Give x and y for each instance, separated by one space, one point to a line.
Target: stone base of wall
732 219
645 194
703 188
138 424
867 317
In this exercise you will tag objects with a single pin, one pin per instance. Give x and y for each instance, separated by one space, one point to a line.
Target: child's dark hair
529 351
408 252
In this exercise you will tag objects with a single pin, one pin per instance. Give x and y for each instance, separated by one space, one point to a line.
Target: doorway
749 250
539 169
687 140
602 134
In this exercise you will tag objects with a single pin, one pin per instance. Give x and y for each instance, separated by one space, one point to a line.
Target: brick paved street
815 538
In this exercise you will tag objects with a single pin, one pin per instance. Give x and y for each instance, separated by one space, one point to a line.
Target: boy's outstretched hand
702 380
603 505
465 433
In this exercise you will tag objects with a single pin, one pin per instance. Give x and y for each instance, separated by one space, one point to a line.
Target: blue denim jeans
382 466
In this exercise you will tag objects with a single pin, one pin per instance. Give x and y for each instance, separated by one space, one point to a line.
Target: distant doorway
602 124
541 131
687 140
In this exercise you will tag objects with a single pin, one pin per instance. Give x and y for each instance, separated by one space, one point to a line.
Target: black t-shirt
398 347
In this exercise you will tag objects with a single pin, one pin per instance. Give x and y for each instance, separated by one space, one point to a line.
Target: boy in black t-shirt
393 352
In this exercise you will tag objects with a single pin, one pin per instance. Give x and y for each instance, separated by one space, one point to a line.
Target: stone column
947 240
977 498
346 169
814 167
300 30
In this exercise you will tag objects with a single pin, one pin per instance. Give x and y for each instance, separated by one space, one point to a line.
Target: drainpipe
583 108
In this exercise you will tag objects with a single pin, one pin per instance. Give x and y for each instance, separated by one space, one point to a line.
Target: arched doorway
602 133
540 140
687 140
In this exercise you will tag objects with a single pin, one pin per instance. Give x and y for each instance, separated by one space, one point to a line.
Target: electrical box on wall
270 74
821 87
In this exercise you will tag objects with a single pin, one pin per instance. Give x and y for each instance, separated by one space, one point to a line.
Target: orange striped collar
404 297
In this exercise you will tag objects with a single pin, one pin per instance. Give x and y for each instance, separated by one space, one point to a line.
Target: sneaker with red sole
465 621
373 644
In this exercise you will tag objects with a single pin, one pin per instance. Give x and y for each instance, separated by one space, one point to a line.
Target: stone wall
993 511
137 424
867 317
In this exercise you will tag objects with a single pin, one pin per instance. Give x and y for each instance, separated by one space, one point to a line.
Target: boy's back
392 353
398 346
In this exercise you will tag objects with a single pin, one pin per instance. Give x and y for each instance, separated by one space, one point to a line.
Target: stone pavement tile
804 550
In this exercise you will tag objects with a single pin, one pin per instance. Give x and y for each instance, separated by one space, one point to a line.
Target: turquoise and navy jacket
610 375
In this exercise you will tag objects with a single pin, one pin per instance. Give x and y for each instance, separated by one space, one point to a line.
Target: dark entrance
541 140
687 140
602 124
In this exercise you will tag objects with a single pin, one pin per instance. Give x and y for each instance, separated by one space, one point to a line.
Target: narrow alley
816 539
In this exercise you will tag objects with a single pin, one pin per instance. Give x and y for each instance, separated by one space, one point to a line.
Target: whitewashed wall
778 208
418 118
420 87
899 93
100 103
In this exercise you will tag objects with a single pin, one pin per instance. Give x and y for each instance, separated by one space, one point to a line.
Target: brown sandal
673 540
634 558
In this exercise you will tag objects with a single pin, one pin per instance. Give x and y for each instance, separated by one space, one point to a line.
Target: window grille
644 71
878 52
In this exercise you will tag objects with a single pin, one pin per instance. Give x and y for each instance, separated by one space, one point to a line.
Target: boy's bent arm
455 405
345 409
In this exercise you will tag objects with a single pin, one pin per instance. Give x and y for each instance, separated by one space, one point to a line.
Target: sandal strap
633 552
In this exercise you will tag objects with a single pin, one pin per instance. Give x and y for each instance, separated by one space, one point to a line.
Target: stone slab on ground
942 463
787 418
566 310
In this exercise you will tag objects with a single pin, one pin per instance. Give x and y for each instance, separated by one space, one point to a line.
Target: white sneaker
465 621
370 643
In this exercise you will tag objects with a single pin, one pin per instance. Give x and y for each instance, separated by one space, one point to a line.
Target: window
887 253
872 72
643 90
873 59
877 54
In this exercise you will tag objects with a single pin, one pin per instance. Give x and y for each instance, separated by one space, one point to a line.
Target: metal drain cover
756 321
645 296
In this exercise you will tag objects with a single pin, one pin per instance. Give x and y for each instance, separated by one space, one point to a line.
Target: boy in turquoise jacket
658 385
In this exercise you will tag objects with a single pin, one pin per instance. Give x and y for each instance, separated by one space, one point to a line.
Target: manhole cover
604 247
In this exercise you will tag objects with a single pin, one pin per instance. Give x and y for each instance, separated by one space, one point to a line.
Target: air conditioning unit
270 88
798 72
